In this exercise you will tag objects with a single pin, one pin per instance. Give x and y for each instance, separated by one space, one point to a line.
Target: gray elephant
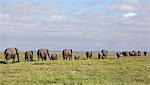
125 53
100 55
118 54
53 56
105 53
29 56
133 53
11 53
139 53
76 57
130 53
89 54
43 54
145 53
67 53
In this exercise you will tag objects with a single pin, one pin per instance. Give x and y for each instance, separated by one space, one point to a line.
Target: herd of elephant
130 53
43 54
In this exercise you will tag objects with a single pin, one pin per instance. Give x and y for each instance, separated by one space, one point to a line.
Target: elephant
145 53
105 53
11 53
130 53
43 54
67 53
139 53
53 56
133 53
29 55
76 57
118 54
100 55
125 53
89 54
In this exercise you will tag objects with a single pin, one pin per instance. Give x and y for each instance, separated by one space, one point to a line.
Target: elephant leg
31 58
98 57
50 58
13 61
118 56
6 60
64 57
25 58
45 58
67 57
42 58
70 57
103 57
18 58
38 58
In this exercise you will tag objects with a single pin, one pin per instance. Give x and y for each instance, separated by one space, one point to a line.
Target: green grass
112 71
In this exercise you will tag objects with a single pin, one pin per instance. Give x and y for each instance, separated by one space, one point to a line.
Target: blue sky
77 24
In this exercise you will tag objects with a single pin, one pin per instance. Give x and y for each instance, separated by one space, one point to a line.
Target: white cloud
4 16
56 18
129 15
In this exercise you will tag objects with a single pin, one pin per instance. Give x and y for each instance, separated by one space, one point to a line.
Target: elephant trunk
17 52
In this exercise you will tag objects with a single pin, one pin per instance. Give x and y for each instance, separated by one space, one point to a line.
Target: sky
78 24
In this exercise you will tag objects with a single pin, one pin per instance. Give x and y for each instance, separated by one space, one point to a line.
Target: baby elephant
76 57
29 56
53 57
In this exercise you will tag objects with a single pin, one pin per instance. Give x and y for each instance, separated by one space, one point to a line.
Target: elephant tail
71 52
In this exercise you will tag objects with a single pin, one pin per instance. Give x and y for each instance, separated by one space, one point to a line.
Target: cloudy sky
77 24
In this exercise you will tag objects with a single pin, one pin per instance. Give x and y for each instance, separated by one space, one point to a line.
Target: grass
111 71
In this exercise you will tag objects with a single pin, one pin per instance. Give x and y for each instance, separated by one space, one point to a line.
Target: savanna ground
111 71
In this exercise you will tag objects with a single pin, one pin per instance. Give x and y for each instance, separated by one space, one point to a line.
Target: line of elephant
44 53
130 53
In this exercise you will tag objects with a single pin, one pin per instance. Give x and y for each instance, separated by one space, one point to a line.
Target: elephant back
11 51
67 52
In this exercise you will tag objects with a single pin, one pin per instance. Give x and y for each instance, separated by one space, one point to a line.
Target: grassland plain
111 71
